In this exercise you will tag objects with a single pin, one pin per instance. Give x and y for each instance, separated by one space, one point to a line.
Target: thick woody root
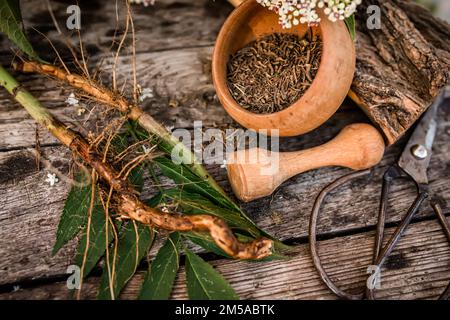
100 93
125 196
108 97
217 228
128 203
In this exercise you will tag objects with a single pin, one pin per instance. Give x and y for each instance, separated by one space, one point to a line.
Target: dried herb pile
271 73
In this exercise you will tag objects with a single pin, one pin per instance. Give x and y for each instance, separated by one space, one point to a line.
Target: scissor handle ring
312 235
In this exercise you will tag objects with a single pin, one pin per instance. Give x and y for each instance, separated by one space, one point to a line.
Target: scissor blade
416 156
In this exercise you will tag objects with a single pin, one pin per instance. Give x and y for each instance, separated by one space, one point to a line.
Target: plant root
117 101
125 195
129 204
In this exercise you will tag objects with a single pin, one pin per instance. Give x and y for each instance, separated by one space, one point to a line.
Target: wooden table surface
175 41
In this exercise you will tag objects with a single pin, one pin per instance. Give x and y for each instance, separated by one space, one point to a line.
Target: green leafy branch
11 25
123 244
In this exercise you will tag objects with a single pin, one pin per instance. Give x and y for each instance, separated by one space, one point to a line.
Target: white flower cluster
293 12
146 3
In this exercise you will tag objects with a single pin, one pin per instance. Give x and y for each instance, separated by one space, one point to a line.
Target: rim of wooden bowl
320 101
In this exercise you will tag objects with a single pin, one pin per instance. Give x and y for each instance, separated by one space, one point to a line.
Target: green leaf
10 24
350 22
190 182
196 204
120 143
197 196
15 8
136 178
205 241
75 214
204 282
97 241
160 277
76 208
134 242
192 204
97 234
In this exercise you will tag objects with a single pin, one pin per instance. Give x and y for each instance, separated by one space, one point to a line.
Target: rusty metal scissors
412 164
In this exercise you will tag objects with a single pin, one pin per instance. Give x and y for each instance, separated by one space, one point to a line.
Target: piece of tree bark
400 67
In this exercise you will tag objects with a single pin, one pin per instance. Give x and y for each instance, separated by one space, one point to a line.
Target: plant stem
35 109
146 121
125 196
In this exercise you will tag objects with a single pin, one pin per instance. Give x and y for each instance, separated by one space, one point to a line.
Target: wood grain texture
254 173
169 24
417 269
29 204
178 78
400 67
30 210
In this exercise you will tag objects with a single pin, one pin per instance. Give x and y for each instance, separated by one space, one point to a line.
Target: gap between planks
419 268
32 221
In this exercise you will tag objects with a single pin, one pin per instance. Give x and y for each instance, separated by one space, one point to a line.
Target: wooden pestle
254 173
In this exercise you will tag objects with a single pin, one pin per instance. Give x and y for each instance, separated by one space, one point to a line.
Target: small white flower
293 12
72 100
51 179
146 3
16 288
165 209
224 164
146 150
81 111
145 94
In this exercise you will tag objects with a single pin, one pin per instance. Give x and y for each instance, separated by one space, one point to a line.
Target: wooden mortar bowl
329 88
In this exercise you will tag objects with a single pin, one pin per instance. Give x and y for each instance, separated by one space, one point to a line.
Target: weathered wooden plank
285 214
178 23
169 24
178 78
182 76
23 134
418 269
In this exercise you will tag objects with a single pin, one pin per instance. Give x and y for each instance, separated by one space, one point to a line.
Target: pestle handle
255 173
